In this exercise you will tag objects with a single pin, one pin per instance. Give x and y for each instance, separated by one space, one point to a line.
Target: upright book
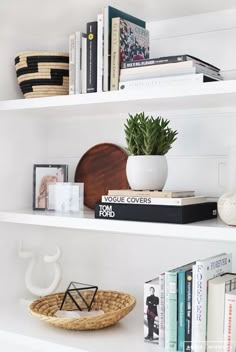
230 322
109 13
128 42
203 271
151 310
92 57
217 289
156 213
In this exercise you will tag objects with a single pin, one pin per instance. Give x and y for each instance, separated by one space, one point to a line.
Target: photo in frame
65 197
43 174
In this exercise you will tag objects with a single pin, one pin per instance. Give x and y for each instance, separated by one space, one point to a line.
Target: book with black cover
92 57
168 60
156 213
188 309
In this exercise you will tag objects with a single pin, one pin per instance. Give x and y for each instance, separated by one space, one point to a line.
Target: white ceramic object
227 208
29 275
147 172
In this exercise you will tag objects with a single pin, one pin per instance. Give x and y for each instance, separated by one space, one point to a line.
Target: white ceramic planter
147 172
227 208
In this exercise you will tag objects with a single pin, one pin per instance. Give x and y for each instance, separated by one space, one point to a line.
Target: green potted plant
148 140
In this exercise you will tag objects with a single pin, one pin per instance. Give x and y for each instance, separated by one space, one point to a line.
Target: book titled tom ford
156 213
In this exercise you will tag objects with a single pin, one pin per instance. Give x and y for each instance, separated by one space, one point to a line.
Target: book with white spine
100 45
78 61
72 63
230 322
84 65
204 271
217 289
154 201
139 84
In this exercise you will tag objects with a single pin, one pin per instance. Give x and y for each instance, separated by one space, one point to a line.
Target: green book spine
181 310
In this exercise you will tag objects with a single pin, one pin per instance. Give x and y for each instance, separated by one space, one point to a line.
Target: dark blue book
92 57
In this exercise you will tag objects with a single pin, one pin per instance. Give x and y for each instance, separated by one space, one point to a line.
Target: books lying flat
156 213
179 68
153 201
168 60
155 82
153 194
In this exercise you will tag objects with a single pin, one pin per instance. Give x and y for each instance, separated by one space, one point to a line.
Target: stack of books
193 307
95 55
179 207
169 70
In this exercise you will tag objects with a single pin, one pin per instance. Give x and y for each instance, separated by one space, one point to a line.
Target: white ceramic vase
227 208
147 172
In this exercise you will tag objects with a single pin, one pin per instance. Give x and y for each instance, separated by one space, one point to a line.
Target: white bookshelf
176 97
213 229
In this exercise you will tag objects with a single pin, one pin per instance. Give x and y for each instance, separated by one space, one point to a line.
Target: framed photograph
43 174
65 197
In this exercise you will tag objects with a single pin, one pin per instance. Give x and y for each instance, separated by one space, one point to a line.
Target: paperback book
151 310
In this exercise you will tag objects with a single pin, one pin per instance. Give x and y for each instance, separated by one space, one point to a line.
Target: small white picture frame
65 197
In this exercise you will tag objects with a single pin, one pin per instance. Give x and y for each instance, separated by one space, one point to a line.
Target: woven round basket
42 74
115 305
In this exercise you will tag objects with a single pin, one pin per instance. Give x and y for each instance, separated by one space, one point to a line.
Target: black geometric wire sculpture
78 293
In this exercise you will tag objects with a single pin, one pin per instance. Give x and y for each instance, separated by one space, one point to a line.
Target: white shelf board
178 97
126 336
211 230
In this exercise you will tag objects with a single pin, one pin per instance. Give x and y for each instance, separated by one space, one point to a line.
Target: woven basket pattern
42 74
115 305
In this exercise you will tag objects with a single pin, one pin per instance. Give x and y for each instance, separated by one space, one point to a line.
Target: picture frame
65 197
42 175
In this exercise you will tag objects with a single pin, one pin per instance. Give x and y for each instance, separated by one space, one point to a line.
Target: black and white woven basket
42 74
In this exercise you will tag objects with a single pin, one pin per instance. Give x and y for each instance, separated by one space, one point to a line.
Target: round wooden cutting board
101 168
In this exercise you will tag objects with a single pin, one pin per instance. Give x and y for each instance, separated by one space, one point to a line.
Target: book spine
92 57
153 201
150 74
84 64
171 311
115 54
106 56
100 48
77 62
205 271
188 311
181 310
162 311
156 213
230 323
72 64
157 194
167 60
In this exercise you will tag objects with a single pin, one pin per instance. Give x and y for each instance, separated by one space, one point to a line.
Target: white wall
194 162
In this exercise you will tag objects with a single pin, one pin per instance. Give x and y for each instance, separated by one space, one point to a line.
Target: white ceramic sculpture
53 259
227 208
